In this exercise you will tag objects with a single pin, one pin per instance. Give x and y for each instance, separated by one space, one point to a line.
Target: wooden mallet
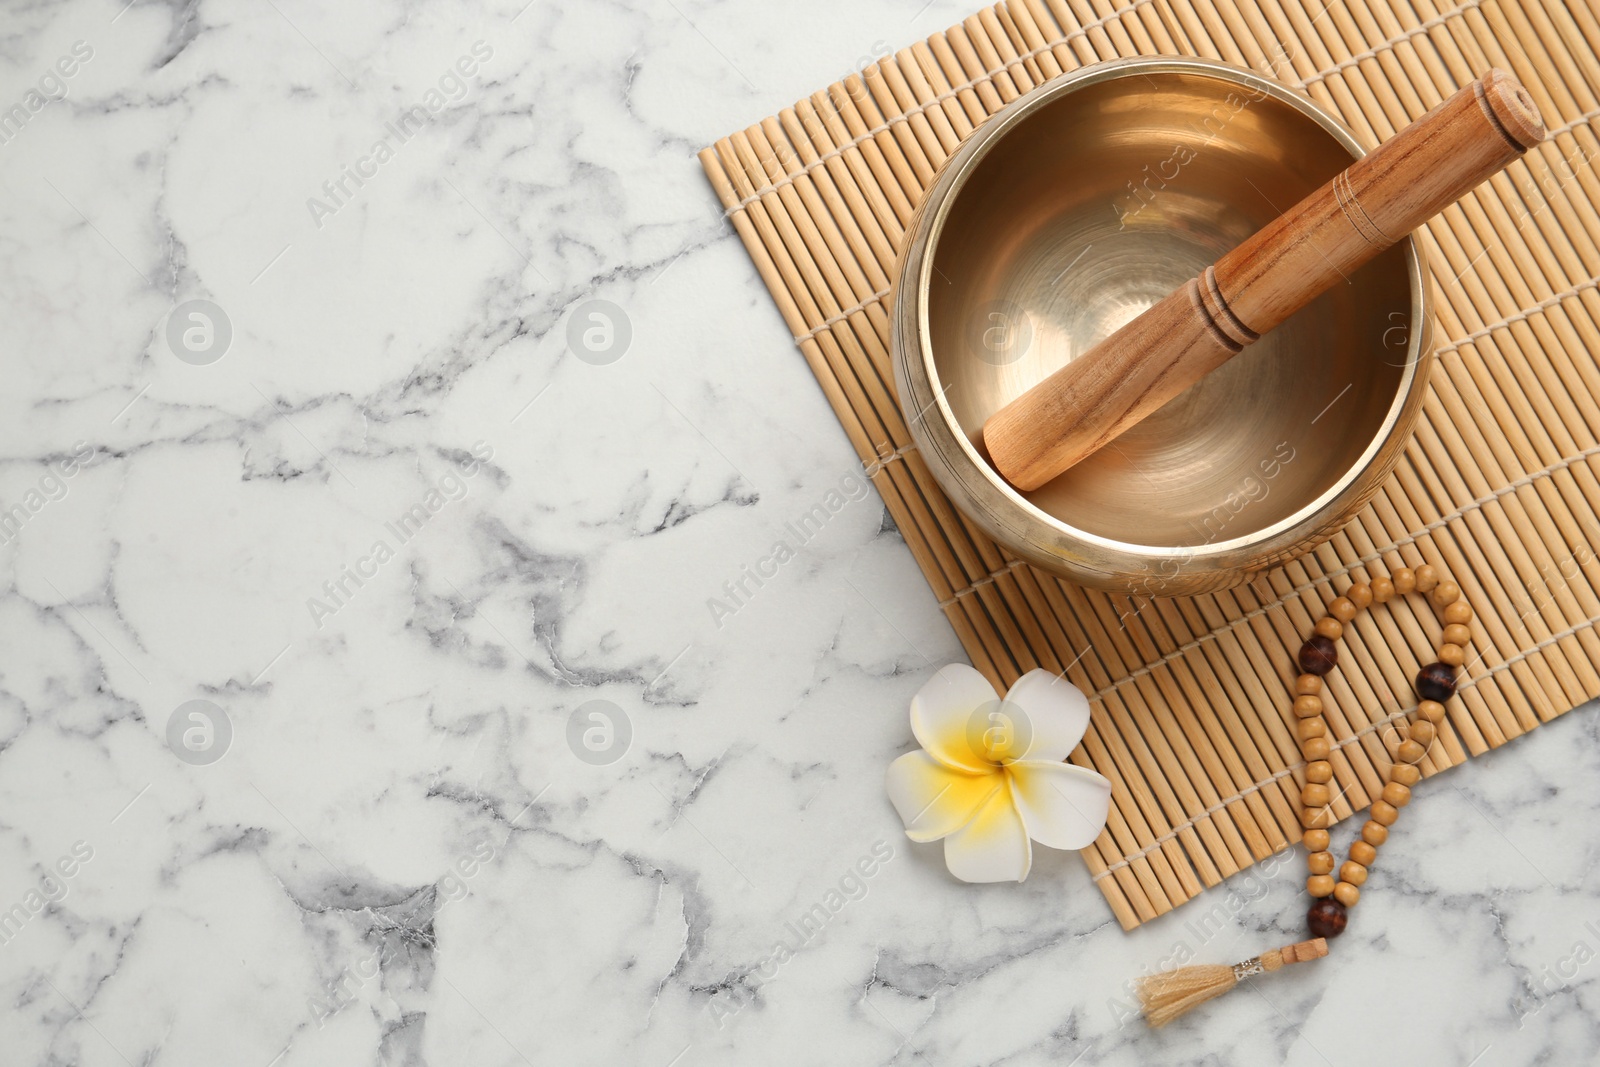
1366 208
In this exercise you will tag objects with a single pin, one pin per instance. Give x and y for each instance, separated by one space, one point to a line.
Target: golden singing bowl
1074 209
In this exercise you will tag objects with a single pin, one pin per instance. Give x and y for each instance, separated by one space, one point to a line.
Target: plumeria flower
989 776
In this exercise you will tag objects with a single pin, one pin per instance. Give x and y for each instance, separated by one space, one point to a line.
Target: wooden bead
1319 771
1307 685
1307 707
1329 627
1315 840
1320 863
1314 795
1396 795
1316 818
1360 594
1444 594
1432 711
1320 885
1382 590
1422 732
1384 813
1427 578
1457 634
1346 894
1317 655
1374 833
1316 749
1410 752
1352 872
1363 853
1458 614
1342 608
1327 918
1405 580
1309 728
1405 773
1437 682
1454 655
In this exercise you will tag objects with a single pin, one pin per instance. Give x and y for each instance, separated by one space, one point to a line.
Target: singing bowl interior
1092 207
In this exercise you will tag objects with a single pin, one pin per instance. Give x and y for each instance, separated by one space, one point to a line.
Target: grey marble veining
372 510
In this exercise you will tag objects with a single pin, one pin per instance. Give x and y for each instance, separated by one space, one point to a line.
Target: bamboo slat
1499 486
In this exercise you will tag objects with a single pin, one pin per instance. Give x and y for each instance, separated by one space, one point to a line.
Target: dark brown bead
1437 682
1318 655
1327 918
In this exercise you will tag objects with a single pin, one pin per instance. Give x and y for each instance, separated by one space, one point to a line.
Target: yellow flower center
999 732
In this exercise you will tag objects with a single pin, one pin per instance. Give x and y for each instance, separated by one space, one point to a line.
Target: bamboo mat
1191 717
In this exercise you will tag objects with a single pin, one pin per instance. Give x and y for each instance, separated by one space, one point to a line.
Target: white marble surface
399 859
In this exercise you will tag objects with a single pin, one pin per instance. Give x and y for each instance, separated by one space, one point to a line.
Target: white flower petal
1055 711
1062 805
942 716
993 847
933 800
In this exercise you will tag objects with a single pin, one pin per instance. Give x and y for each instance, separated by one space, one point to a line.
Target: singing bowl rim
1048 541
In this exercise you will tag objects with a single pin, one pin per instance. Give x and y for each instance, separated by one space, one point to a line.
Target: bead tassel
1168 995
